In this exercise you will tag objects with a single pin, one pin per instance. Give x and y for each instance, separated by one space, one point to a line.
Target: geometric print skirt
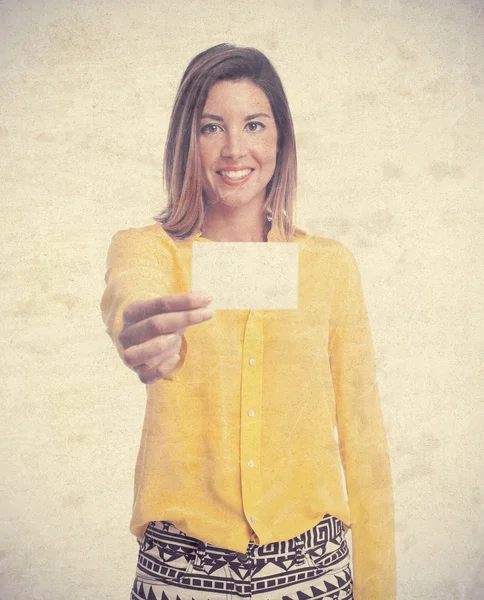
312 566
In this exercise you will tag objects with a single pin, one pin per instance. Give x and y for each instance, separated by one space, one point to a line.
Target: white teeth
235 174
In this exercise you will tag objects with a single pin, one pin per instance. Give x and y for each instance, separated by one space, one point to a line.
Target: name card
247 275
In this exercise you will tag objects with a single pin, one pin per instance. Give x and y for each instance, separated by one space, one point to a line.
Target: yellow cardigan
271 418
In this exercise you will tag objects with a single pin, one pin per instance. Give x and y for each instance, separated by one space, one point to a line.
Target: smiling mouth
235 175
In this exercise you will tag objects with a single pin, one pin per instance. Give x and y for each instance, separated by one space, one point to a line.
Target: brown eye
254 126
210 128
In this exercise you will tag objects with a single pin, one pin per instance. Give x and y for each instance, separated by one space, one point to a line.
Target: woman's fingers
162 324
153 351
152 332
139 310
151 374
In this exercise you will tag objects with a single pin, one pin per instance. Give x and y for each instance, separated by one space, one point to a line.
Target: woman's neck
222 228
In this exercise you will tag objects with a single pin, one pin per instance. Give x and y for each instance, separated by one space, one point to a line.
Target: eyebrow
255 115
248 118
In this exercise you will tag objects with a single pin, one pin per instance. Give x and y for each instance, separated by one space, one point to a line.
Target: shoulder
154 231
150 236
330 251
139 245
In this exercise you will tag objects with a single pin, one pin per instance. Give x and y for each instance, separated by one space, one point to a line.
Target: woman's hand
152 332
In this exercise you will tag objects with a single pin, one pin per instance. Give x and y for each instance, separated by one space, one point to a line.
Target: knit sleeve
136 269
363 442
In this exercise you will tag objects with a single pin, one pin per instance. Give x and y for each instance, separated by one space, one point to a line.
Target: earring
269 214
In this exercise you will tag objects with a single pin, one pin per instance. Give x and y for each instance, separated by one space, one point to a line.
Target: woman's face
237 143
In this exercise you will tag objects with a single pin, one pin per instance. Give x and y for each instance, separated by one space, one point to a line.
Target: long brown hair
184 212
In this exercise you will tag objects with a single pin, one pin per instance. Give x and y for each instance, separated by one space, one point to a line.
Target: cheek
268 158
205 150
268 149
202 153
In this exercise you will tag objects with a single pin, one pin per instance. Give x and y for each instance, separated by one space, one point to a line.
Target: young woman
263 439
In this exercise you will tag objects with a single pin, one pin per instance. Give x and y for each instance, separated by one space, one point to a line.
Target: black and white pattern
312 566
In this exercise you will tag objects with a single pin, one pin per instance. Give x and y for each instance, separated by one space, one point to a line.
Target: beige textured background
388 103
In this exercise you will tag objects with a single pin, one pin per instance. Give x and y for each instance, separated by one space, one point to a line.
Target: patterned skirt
174 566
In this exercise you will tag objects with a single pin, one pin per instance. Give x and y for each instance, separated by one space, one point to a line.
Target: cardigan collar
272 235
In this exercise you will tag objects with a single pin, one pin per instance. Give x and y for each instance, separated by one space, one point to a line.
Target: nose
234 146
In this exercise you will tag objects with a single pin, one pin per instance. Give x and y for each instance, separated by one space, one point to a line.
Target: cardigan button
242 557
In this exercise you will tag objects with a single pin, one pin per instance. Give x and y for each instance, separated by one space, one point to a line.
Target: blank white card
247 275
